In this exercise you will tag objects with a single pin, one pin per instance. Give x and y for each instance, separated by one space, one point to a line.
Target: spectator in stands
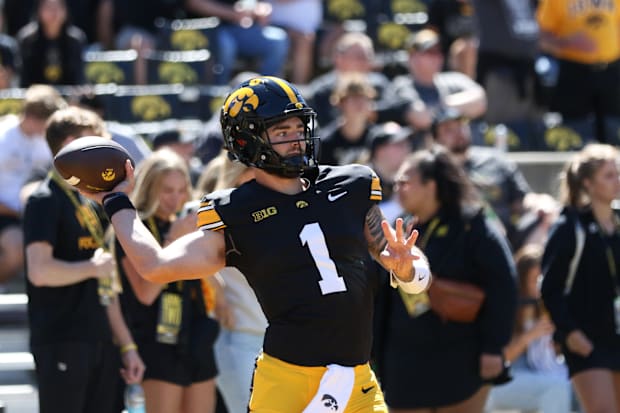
354 52
345 139
434 89
10 62
183 143
133 23
74 313
449 363
539 376
389 145
180 365
507 49
586 42
23 152
500 182
51 48
581 288
301 32
92 16
455 23
244 32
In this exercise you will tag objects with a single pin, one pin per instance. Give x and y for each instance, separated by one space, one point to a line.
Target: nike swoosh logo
333 197
366 390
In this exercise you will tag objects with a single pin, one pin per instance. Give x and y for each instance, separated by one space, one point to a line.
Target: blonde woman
168 321
241 317
585 305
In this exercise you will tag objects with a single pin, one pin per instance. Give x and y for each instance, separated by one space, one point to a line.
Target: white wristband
419 283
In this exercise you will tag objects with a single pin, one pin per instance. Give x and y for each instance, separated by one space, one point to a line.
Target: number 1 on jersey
331 282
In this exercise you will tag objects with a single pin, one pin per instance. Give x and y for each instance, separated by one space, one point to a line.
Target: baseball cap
422 40
445 115
388 132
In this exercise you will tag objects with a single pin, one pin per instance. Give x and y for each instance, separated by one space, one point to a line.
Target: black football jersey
306 257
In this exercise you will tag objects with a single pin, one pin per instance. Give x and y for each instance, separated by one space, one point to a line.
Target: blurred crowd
390 83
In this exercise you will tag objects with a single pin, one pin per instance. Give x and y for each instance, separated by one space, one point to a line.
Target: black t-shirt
72 312
306 257
335 149
51 61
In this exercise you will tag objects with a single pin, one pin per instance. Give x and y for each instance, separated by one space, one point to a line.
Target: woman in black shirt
429 364
51 48
169 323
581 287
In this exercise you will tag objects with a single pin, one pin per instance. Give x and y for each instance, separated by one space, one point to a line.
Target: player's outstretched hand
399 253
125 186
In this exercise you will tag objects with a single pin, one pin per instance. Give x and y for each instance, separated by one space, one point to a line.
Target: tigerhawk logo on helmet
253 107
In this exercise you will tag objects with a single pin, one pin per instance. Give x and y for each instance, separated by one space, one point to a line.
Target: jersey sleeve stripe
208 218
216 226
376 194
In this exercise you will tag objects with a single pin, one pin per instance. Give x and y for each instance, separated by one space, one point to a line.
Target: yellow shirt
599 20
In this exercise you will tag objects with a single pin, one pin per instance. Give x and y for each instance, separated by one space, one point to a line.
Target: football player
303 235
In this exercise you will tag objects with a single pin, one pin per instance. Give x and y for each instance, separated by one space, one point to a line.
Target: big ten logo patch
149 108
104 72
188 40
176 72
264 213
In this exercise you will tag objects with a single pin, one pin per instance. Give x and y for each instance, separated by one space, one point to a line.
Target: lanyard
150 221
108 286
85 210
429 233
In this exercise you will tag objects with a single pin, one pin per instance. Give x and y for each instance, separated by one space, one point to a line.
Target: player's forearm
139 244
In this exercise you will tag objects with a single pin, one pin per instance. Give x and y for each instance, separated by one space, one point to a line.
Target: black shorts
601 358
77 377
164 362
9 221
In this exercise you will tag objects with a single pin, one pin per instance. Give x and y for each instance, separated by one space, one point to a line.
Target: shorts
281 387
7 221
286 14
600 358
77 377
164 362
